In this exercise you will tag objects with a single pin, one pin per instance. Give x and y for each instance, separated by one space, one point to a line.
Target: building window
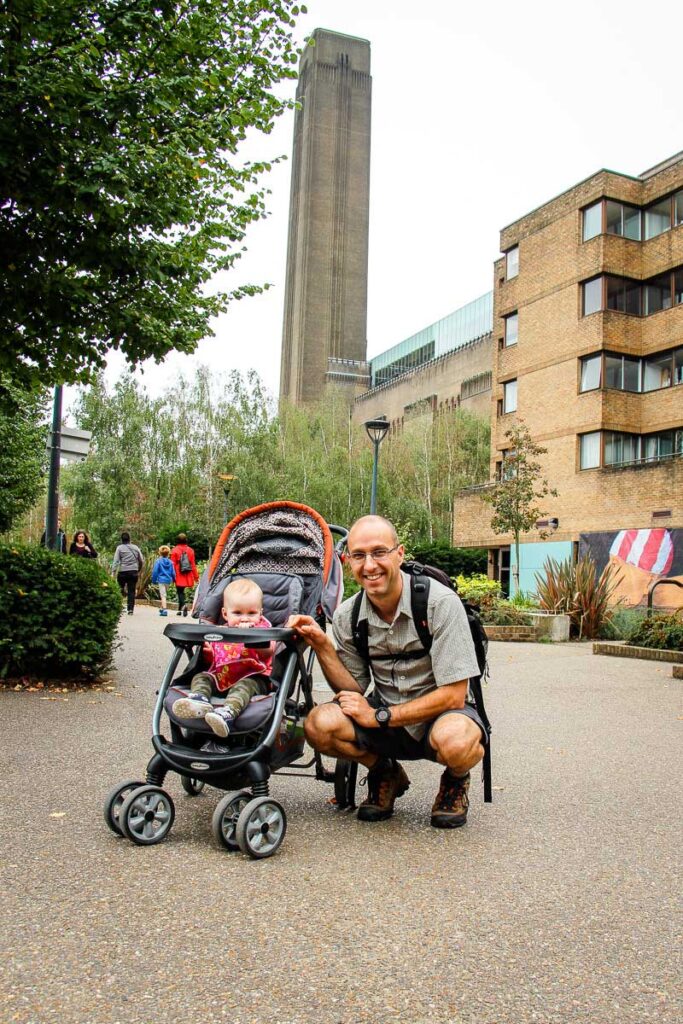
592 221
511 329
622 372
512 263
510 396
657 372
620 448
678 208
508 467
589 447
657 294
591 373
592 296
623 295
621 219
678 366
658 218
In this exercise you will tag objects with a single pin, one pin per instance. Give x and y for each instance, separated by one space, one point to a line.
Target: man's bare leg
330 732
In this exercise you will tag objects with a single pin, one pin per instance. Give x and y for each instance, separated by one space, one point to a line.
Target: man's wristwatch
383 717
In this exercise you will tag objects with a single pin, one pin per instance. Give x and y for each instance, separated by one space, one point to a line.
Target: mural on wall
642 557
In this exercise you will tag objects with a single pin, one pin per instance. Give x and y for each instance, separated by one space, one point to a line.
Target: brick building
588 329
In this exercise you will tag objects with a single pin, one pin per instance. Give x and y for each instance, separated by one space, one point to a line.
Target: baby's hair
240 588
164 551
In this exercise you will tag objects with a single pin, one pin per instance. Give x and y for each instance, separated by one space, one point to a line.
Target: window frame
506 319
508 275
506 384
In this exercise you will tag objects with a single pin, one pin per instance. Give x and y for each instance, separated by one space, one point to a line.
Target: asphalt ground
559 902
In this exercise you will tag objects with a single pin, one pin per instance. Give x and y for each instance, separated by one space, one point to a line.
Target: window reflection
658 218
592 221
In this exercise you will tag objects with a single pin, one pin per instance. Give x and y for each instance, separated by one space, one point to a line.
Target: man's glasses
378 555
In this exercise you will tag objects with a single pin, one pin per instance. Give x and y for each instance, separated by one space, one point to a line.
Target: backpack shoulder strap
419 599
359 629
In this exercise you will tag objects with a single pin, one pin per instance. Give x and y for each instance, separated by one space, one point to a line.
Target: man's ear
401 553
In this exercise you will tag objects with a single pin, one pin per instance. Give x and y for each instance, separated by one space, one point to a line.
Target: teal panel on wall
531 559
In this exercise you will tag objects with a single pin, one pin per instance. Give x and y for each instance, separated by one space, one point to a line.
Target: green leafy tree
121 192
23 436
515 497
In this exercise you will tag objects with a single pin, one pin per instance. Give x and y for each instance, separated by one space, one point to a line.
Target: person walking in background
163 573
129 562
61 538
185 567
81 545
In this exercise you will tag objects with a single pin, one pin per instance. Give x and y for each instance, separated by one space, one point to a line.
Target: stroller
288 549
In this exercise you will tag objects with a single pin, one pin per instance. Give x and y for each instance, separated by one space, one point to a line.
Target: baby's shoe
195 705
219 720
162 611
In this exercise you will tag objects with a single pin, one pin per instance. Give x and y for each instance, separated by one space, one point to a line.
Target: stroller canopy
287 548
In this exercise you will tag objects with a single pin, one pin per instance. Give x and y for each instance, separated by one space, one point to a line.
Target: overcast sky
479 114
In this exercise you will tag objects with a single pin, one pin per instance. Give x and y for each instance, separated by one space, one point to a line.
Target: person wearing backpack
419 708
185 568
128 560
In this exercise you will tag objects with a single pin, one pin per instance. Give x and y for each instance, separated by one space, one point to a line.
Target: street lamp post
376 430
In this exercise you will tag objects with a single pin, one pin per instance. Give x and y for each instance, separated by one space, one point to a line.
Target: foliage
664 632
121 190
503 613
515 497
453 561
576 590
23 435
522 599
59 614
155 462
622 623
479 589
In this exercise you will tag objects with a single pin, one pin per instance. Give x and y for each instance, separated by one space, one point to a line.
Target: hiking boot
219 721
452 801
195 705
385 781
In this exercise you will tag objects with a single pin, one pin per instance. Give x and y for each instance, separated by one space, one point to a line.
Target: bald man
419 708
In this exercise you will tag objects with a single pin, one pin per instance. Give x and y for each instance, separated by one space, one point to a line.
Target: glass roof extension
451 332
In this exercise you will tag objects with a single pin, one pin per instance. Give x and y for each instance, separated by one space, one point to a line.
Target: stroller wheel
345 775
224 822
147 815
261 827
114 802
192 787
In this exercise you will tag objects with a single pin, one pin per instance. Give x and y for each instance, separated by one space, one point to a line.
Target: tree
120 190
23 435
514 497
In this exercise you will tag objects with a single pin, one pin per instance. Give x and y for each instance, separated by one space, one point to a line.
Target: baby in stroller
235 669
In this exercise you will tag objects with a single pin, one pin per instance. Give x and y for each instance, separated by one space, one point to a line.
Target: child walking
163 573
234 669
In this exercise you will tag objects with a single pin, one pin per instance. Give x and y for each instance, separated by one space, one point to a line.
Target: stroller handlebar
182 633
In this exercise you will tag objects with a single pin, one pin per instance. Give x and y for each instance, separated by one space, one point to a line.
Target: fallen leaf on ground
58 814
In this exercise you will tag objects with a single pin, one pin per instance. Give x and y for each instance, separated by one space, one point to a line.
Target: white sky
481 112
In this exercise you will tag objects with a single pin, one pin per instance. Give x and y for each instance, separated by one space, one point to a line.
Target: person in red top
185 568
234 669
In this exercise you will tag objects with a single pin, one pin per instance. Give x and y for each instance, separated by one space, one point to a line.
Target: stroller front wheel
192 787
261 827
224 821
147 815
114 802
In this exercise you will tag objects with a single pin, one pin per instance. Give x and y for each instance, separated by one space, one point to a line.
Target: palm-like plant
577 590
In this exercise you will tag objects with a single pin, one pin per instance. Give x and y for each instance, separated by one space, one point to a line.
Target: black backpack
420 576
185 565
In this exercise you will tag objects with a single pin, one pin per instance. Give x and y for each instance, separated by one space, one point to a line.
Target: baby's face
242 612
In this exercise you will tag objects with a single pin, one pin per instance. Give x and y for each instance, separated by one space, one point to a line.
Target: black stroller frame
247 817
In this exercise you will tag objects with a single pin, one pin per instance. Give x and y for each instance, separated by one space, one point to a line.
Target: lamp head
376 429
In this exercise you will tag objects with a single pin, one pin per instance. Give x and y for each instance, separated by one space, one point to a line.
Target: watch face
383 715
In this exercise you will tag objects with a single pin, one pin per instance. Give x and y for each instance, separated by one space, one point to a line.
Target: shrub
503 613
622 623
660 631
60 614
479 589
576 590
523 599
453 561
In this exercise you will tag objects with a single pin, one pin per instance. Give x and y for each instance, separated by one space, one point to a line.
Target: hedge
663 632
453 561
60 613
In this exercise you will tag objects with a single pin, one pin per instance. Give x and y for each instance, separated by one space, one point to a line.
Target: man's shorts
399 744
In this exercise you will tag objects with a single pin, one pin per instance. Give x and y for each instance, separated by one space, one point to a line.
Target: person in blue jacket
163 573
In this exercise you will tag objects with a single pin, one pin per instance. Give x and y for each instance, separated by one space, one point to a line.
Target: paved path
558 903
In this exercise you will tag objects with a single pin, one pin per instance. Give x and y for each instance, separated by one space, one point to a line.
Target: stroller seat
253 717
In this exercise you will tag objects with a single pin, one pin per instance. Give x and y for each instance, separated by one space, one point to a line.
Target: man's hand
308 629
355 706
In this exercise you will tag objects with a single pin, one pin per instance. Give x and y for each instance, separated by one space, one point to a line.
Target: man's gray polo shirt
452 656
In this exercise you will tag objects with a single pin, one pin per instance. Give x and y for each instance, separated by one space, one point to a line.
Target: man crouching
419 707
